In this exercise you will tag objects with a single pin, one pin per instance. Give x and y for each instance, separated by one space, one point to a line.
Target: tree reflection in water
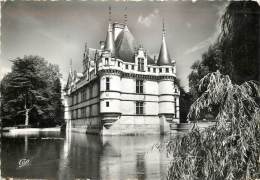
55 156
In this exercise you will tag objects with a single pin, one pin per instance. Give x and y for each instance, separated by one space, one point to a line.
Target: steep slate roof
125 46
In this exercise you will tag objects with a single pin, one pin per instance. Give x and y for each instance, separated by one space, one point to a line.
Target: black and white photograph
130 90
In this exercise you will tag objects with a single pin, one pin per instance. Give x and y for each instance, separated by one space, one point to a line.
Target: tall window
90 110
175 108
133 67
72 114
83 95
91 91
139 86
77 114
82 115
77 98
107 84
140 64
139 107
73 99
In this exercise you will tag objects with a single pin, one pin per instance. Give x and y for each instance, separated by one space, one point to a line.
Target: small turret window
107 103
140 64
107 84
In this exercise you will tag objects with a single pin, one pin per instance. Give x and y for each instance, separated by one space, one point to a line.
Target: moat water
78 156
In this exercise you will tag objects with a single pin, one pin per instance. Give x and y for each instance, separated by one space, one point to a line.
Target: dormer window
140 64
106 62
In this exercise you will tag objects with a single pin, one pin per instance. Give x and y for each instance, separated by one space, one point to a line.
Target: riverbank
186 126
17 131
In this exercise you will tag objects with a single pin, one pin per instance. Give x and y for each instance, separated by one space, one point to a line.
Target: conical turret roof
164 55
109 43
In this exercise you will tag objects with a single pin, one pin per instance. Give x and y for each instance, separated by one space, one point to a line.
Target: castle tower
167 101
110 83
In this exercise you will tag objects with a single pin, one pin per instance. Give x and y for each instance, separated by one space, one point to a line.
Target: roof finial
109 43
70 66
164 31
125 16
109 17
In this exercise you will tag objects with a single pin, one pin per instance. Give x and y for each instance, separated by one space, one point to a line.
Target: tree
231 148
30 92
236 51
185 102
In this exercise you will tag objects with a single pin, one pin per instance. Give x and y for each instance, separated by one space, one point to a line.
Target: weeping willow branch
228 150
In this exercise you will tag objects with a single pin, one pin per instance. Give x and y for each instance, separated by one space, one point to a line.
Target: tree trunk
26 113
26 117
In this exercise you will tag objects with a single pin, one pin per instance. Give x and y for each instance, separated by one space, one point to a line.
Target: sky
58 31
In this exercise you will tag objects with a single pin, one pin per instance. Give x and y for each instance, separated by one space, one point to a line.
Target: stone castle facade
122 90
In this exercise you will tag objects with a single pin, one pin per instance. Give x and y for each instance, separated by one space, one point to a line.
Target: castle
122 90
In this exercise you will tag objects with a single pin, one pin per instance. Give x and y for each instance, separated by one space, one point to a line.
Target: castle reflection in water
54 156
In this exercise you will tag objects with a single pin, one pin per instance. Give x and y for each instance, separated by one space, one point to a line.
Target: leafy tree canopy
31 92
236 52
